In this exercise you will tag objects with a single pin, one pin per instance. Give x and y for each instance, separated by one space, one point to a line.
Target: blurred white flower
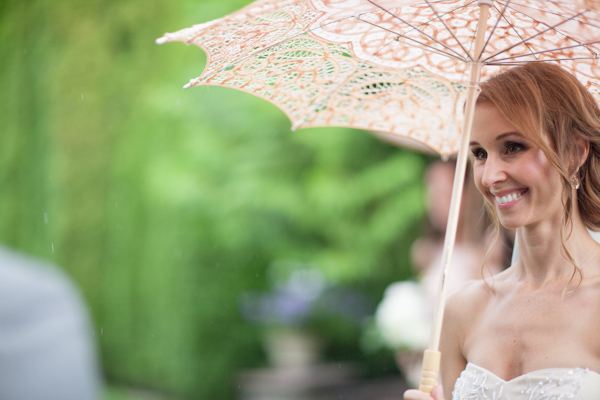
404 316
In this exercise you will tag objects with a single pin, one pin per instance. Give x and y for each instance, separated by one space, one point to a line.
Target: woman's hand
414 394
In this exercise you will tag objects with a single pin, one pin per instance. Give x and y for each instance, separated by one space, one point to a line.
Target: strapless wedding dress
477 383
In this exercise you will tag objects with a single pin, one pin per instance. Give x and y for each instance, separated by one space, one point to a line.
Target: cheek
542 163
544 171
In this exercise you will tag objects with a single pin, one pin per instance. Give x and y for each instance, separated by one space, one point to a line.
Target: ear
582 150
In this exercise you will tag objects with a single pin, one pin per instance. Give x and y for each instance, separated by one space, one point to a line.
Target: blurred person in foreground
531 331
47 351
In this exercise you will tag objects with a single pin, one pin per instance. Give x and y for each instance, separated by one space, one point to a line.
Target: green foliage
164 205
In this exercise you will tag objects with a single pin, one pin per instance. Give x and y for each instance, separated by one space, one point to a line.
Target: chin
510 223
511 227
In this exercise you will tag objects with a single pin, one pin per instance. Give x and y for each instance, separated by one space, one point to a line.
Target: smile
508 198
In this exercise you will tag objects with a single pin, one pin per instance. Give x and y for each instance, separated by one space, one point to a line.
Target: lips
509 197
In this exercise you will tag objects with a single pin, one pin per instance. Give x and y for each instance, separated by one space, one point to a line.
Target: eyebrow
500 137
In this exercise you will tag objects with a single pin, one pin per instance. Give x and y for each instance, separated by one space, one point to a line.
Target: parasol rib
512 27
551 12
460 56
538 61
497 23
447 28
421 45
595 56
534 36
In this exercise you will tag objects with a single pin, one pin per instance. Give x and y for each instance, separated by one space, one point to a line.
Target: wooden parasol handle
432 356
429 371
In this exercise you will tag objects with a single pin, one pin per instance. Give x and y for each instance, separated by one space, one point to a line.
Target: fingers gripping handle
429 372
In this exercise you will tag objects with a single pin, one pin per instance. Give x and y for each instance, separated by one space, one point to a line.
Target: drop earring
575 182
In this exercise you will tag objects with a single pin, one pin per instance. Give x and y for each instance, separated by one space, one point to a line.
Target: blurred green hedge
163 204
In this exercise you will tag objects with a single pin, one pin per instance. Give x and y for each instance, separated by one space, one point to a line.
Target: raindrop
81 96
101 331
53 247
46 218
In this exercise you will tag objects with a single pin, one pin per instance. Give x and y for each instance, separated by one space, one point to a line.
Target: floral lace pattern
476 383
393 66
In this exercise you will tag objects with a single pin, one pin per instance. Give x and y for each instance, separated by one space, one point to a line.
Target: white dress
477 383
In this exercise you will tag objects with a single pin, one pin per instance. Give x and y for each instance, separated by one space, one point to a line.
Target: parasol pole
432 356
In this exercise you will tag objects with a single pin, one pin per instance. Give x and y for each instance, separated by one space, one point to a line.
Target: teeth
508 198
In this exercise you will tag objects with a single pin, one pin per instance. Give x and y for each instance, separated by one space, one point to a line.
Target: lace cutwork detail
402 71
475 383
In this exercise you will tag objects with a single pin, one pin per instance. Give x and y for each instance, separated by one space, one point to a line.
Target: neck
542 257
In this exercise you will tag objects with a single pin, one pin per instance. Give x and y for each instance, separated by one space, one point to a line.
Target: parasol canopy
394 66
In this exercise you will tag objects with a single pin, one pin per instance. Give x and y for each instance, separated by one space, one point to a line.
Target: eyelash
509 149
476 152
508 145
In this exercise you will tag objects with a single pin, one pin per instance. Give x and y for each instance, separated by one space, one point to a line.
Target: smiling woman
553 111
513 174
530 332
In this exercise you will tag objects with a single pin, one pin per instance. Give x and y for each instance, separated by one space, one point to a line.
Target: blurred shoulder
29 286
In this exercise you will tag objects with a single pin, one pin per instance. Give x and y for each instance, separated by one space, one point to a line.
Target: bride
533 330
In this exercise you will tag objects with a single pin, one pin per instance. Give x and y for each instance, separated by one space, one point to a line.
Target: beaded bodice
477 383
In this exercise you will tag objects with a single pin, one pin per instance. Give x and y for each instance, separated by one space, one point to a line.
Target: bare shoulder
463 307
586 292
468 300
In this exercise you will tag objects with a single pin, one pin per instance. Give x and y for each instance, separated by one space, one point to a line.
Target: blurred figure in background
471 235
407 309
47 351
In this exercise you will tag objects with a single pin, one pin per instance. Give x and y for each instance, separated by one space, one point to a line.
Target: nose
493 172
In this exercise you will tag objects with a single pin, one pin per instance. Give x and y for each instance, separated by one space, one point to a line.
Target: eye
513 147
479 153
